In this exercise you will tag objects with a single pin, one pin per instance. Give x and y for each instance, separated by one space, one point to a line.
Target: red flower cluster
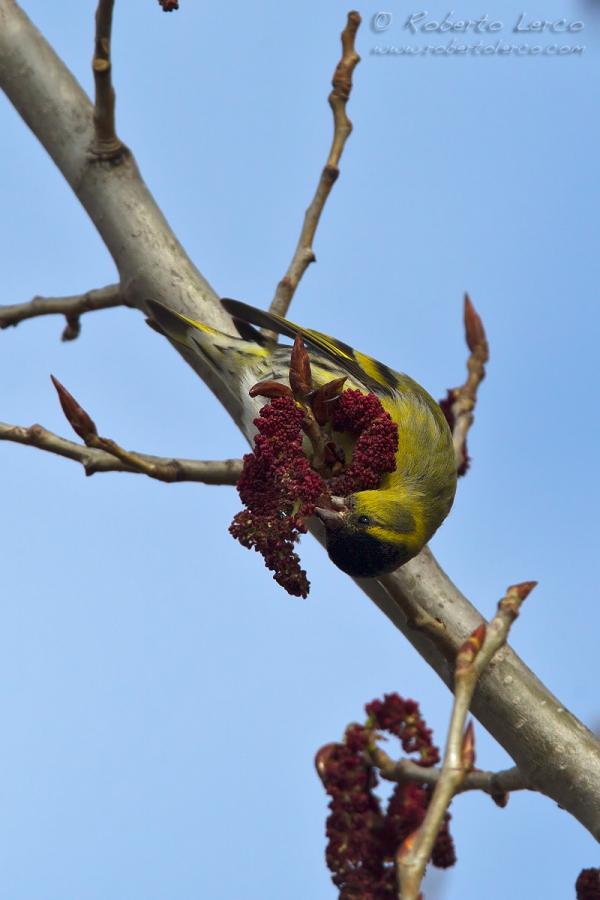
169 5
362 839
278 488
355 824
403 719
363 416
588 884
406 810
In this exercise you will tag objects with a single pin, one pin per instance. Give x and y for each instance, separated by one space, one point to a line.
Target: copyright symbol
381 21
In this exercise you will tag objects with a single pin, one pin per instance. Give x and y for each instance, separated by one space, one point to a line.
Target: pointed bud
467 753
300 375
523 589
516 593
322 759
322 398
270 390
77 417
474 331
469 650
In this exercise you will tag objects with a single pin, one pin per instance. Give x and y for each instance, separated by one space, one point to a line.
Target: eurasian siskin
370 532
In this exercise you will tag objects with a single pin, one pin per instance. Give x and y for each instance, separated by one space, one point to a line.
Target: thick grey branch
554 751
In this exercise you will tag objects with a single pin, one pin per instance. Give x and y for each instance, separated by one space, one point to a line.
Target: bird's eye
364 520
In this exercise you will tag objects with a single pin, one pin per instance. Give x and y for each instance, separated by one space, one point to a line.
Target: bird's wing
375 376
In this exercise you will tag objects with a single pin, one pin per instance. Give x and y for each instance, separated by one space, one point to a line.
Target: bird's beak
333 519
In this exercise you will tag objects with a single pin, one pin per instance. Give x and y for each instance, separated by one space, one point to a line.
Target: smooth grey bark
555 751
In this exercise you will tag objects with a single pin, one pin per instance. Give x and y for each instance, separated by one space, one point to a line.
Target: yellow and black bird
373 531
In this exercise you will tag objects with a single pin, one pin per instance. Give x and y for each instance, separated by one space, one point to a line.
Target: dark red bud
322 398
300 375
474 330
270 389
322 758
523 589
77 417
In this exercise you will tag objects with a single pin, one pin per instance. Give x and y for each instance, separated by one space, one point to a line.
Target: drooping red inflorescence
169 5
362 839
443 855
588 884
278 488
355 825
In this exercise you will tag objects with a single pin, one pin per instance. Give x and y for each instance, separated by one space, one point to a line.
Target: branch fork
459 757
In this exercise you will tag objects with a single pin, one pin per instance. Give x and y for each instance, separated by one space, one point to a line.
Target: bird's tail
228 356
181 329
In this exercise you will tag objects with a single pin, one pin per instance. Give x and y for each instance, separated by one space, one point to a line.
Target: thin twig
342 126
106 144
71 307
462 399
405 770
83 425
226 471
472 658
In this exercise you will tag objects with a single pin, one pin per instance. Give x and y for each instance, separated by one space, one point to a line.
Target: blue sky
162 699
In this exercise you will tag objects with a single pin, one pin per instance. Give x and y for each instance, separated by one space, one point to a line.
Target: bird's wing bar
355 364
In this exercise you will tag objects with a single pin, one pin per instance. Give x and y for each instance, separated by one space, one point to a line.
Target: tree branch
71 307
556 753
552 748
460 402
472 658
342 127
106 144
225 471
405 770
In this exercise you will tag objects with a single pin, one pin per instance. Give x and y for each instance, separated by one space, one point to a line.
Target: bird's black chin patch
358 554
